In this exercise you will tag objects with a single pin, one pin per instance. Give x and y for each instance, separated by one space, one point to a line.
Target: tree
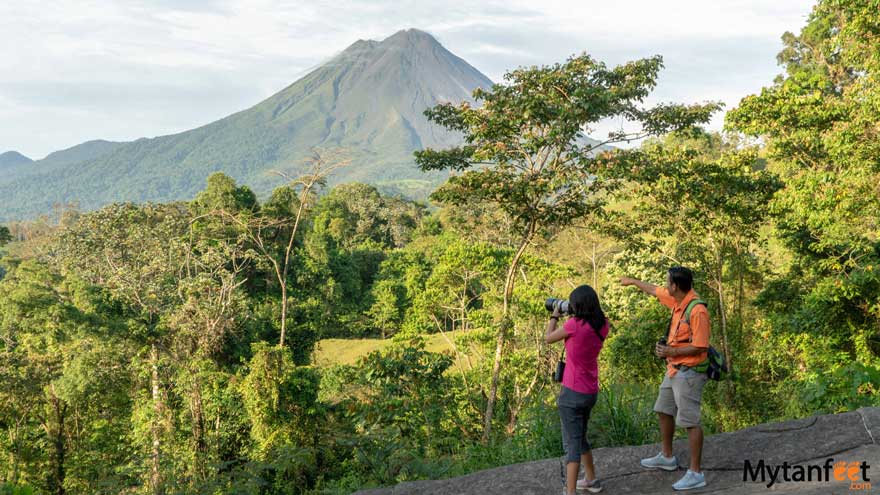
352 214
281 217
62 369
525 151
281 402
212 307
583 247
399 405
692 200
385 311
819 122
137 253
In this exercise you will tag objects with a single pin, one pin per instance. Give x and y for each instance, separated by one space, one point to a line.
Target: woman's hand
554 332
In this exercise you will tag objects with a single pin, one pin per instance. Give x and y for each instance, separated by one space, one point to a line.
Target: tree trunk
12 475
198 431
503 327
56 479
304 196
283 309
15 451
723 313
595 268
513 417
725 347
59 457
740 291
155 451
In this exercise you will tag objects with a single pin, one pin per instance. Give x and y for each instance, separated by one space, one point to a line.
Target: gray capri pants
574 412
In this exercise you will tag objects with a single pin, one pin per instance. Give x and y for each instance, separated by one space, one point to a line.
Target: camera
662 341
562 304
560 371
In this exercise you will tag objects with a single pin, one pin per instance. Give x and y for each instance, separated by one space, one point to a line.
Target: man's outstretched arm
647 288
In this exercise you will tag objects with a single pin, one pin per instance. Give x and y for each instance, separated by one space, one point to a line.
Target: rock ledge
851 436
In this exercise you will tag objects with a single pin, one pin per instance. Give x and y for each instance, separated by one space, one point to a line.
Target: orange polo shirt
680 331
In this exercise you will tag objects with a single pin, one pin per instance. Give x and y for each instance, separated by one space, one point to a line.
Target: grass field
347 351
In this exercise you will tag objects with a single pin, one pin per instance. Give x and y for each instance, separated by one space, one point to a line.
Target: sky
77 70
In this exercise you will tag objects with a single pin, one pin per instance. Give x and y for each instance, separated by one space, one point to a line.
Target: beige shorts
680 397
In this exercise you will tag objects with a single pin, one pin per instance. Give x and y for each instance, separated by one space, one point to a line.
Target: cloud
122 69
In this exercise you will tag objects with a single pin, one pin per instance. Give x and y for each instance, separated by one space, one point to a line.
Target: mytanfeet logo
856 472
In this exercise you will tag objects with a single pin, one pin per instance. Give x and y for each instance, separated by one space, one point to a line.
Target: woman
584 335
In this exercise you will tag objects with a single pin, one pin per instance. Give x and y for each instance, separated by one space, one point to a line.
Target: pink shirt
582 348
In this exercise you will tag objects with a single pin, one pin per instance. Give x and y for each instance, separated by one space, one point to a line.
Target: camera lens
553 303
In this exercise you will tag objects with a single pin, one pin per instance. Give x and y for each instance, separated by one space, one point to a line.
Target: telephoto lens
552 303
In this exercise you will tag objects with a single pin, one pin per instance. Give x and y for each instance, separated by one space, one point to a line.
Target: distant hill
13 158
368 99
57 160
81 152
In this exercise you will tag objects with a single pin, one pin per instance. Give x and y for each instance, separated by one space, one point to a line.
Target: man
678 402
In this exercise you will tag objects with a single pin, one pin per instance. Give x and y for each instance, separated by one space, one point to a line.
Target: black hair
585 307
682 277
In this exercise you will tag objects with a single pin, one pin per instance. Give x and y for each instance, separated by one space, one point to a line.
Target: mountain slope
81 152
368 100
57 160
13 158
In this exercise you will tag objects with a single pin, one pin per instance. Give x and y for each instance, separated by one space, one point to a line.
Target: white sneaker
592 486
690 480
659 461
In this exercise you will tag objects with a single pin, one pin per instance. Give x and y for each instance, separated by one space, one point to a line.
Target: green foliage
62 368
529 130
524 153
133 251
628 352
10 489
845 389
453 295
223 194
818 120
353 214
387 309
398 404
624 415
139 342
279 397
280 400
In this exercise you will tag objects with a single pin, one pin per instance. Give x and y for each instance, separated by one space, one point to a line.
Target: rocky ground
852 436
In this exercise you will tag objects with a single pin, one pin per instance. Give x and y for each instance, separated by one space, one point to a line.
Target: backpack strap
687 317
690 307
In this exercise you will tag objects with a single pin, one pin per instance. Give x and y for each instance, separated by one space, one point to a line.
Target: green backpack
714 366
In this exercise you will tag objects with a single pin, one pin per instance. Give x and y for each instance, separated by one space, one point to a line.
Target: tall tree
61 371
692 200
524 150
274 230
819 120
138 254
